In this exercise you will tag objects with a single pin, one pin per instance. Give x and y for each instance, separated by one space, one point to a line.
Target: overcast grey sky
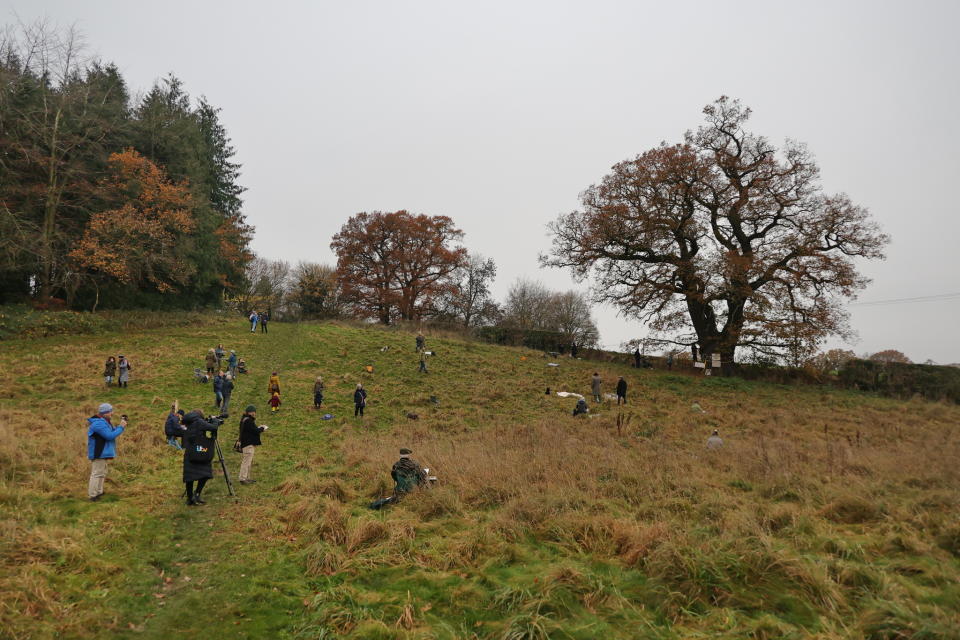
498 114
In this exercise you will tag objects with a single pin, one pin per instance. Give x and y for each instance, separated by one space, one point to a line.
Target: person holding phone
101 447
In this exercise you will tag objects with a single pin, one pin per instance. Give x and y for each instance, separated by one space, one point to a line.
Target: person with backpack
124 366
226 390
318 393
274 385
109 370
218 389
199 444
407 474
595 386
173 429
359 400
211 362
621 390
101 447
249 441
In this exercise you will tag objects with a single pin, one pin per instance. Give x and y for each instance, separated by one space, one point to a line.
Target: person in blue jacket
101 447
232 363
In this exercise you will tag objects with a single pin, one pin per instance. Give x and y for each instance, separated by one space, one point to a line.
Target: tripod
223 465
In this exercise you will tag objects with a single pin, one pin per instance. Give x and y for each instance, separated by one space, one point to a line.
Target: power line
932 298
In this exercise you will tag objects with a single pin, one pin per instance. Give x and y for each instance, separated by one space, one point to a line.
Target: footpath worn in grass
827 514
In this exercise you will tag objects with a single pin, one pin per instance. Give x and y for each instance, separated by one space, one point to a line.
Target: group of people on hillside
259 318
118 369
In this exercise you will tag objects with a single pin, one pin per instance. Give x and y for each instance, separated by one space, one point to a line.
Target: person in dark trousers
219 352
173 428
109 370
226 390
636 358
195 472
595 386
211 361
359 400
421 342
670 361
263 322
318 392
573 350
101 447
218 389
621 390
407 474
249 441
581 408
124 367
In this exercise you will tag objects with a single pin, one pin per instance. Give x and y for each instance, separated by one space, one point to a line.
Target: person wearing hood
195 471
101 447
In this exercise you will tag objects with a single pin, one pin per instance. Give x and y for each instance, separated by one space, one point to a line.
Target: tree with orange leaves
725 235
135 241
395 265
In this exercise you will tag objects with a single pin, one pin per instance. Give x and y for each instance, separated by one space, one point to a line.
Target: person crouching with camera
199 443
249 441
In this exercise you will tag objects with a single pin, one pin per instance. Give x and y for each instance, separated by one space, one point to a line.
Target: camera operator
198 443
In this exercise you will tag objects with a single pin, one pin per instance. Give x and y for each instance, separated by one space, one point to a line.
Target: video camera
216 421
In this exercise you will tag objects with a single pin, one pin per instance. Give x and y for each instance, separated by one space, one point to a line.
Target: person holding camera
101 447
249 441
199 441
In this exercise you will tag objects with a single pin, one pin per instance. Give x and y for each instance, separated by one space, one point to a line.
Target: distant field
827 514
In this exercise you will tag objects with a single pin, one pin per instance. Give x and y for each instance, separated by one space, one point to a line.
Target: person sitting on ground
581 408
173 428
211 362
274 385
241 366
318 392
407 474
621 390
714 441
595 386
275 402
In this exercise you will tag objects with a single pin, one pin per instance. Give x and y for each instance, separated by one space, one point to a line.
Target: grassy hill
827 514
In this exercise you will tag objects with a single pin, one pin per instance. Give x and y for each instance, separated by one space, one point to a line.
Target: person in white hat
101 447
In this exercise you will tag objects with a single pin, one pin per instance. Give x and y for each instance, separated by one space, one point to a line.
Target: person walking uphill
249 441
226 390
101 447
198 447
621 390
232 364
318 393
595 386
109 370
274 385
125 368
359 400
218 389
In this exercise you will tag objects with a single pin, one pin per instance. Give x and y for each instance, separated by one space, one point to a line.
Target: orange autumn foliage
135 241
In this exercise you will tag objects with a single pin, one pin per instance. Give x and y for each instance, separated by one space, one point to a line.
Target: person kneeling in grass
407 474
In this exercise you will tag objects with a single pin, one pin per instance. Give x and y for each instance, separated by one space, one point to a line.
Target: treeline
404 267
106 200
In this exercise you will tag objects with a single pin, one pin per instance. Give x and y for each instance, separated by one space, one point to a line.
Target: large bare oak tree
723 233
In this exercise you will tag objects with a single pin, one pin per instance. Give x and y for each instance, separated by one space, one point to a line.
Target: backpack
201 447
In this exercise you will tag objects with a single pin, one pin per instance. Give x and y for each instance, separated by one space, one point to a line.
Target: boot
197 499
191 501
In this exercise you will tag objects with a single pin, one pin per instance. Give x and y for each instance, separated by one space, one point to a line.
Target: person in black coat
198 472
621 390
359 400
249 440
